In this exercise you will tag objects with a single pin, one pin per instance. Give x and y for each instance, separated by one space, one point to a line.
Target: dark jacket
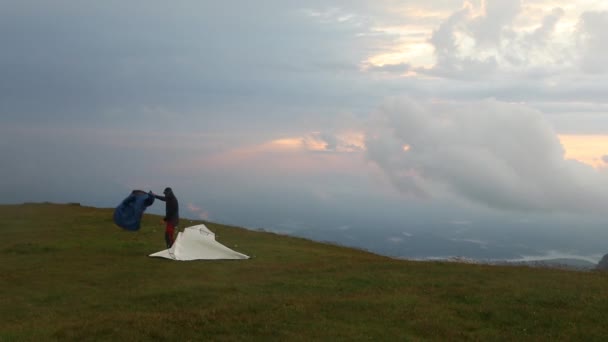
171 208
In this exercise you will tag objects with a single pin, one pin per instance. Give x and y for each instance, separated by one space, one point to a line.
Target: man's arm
162 198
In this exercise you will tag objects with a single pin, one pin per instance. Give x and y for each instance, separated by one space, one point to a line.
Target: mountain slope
68 273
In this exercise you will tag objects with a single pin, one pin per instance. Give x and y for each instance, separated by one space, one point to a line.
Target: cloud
200 213
76 67
593 37
461 222
457 40
542 34
488 29
552 255
476 42
328 141
193 207
495 154
443 38
480 243
400 68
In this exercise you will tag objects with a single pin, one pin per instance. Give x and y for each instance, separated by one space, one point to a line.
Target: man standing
171 214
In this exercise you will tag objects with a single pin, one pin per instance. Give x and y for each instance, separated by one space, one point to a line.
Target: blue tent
128 214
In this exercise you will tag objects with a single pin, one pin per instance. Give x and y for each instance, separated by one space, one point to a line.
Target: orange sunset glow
587 149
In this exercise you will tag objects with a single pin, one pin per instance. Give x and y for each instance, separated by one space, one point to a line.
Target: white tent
196 243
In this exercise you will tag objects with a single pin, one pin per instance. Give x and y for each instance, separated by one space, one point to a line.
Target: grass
67 273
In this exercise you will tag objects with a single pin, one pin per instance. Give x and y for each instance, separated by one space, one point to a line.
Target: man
171 214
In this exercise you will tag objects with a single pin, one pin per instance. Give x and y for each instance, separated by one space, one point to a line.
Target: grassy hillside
67 273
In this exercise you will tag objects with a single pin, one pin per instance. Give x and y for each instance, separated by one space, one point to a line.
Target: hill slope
69 274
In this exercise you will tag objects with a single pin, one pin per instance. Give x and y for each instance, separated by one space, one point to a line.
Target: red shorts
169 234
170 228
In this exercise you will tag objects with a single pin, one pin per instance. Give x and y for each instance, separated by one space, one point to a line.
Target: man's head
167 191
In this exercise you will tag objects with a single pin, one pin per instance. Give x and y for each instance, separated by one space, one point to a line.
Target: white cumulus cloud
492 153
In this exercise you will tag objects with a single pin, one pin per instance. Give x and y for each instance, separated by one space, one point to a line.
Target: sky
409 128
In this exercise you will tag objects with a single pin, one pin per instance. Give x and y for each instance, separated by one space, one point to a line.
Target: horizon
409 129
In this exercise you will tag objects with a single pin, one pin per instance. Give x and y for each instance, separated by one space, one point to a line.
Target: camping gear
128 214
198 243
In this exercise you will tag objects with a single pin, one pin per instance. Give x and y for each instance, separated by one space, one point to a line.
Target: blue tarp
128 214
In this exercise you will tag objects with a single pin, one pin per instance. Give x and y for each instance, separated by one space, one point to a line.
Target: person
171 214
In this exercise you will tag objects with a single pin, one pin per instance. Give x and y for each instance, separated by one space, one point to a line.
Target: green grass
67 273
